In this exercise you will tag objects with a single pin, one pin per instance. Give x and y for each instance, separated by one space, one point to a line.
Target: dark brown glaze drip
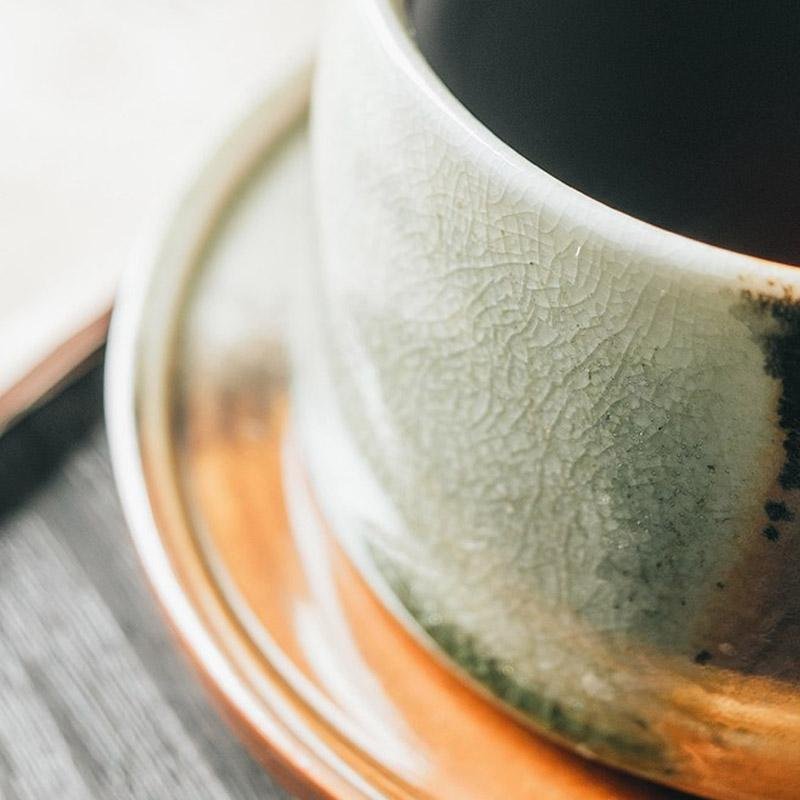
782 361
777 511
752 622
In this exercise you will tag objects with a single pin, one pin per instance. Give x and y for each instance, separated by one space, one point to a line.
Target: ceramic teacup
562 441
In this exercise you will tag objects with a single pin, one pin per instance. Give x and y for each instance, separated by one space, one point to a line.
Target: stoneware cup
561 443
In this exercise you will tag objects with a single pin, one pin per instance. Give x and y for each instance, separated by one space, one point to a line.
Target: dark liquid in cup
684 113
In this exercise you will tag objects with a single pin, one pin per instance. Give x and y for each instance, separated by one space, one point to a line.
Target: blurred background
107 110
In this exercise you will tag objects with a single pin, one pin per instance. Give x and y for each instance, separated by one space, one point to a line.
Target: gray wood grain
95 700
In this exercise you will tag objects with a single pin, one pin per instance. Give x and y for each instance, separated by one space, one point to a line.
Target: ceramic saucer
321 683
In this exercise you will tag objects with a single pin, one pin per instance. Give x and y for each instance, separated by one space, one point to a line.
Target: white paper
107 109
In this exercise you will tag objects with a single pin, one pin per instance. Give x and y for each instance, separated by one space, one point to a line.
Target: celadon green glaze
558 435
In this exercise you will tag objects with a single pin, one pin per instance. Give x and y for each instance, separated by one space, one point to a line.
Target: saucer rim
292 760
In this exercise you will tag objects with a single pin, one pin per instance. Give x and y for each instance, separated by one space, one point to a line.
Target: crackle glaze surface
563 438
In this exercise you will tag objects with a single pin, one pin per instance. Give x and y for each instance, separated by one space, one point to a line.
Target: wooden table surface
95 699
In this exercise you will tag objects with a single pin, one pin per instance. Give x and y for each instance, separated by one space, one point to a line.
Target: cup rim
621 230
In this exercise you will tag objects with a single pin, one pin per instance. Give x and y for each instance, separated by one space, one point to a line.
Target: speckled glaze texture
563 438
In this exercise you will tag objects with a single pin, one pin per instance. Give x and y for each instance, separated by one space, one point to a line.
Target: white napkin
107 108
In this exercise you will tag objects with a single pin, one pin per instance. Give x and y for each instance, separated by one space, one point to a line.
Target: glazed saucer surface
323 685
